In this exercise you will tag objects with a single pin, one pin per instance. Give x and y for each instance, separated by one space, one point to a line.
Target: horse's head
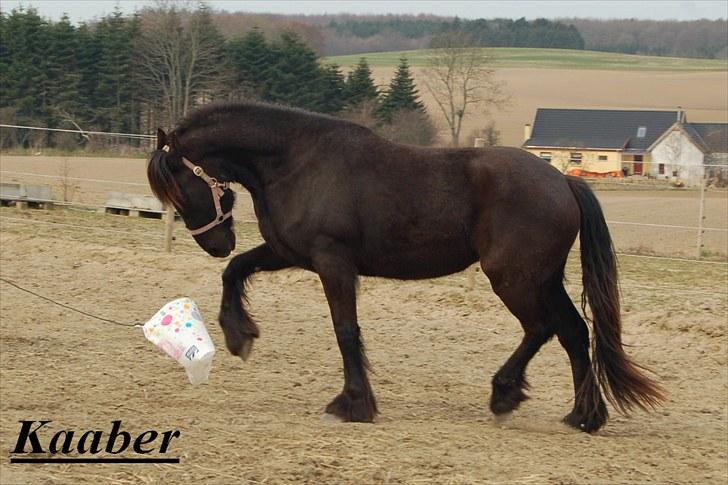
198 190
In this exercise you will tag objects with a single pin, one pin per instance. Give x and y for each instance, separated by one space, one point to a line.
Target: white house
688 151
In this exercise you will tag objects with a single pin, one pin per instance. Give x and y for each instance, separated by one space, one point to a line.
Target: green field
548 59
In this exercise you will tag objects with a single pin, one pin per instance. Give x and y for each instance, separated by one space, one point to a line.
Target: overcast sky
80 10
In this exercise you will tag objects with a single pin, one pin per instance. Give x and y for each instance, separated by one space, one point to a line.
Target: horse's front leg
237 325
338 276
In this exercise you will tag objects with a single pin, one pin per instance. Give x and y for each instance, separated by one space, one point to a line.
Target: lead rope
68 307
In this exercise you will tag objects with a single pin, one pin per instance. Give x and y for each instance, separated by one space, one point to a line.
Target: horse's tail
622 380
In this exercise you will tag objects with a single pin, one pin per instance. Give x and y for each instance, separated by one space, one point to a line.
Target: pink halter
217 188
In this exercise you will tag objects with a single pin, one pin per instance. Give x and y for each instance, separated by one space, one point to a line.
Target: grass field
548 59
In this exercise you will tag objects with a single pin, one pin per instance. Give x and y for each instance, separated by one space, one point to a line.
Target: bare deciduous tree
181 57
460 78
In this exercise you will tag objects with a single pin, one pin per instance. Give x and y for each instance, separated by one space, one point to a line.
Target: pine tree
402 94
206 63
360 85
88 53
294 78
331 89
114 89
250 59
63 71
25 38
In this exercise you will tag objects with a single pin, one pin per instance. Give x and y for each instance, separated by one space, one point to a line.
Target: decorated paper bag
178 329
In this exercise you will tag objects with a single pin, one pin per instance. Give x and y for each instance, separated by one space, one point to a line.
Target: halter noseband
217 188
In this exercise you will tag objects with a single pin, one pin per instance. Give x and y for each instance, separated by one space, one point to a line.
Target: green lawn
548 59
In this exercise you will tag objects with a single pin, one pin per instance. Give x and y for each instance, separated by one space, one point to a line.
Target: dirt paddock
434 347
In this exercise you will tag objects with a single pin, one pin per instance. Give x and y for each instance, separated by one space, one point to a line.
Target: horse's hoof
245 349
504 401
585 424
359 410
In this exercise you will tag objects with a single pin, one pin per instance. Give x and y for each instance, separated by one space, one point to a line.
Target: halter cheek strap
217 188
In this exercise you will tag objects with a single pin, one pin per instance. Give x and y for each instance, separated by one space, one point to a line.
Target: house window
546 156
602 158
575 158
661 169
641 131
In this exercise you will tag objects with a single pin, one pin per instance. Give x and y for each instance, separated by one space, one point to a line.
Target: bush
412 127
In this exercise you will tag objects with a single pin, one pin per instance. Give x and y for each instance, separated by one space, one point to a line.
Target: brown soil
433 345
701 94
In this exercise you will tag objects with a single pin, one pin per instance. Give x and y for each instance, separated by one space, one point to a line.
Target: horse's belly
418 263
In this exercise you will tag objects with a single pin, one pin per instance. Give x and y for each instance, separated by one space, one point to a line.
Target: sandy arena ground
433 345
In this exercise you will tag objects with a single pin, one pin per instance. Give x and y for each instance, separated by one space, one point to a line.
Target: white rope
60 177
666 258
668 226
82 132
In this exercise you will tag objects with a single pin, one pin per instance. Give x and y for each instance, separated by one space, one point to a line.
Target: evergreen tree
63 71
25 38
250 58
88 53
5 100
331 89
360 85
205 62
402 94
114 92
294 77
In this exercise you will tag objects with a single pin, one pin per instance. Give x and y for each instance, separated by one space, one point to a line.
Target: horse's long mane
161 179
219 111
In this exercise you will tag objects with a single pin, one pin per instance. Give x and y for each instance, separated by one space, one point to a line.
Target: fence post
701 218
168 227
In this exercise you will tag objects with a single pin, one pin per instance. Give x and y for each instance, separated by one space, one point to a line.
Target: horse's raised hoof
353 409
506 397
240 344
246 349
589 423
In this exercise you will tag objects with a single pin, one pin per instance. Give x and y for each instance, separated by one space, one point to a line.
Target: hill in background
351 34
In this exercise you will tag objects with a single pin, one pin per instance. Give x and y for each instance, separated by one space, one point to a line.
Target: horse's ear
172 140
161 138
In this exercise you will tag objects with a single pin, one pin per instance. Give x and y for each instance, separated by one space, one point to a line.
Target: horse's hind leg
237 325
589 412
544 310
509 382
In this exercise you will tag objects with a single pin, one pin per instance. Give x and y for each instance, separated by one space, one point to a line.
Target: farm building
690 150
617 143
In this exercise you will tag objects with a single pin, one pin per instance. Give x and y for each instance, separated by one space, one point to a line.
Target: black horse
334 198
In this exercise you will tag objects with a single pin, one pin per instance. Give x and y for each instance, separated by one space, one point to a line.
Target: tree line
131 73
539 33
350 34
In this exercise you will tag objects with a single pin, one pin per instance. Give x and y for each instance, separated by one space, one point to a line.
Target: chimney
526 131
680 115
